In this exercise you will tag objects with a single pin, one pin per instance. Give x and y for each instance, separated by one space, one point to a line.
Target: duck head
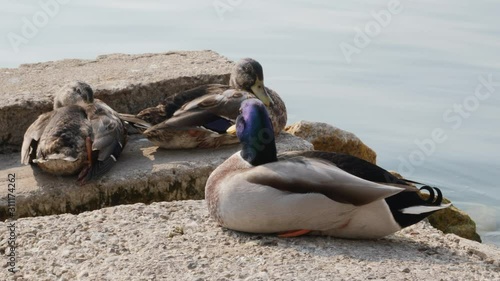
73 93
255 132
248 75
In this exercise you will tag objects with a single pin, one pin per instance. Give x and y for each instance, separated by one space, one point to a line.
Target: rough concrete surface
178 241
127 83
143 173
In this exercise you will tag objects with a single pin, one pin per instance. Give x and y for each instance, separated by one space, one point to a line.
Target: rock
326 137
456 221
396 174
147 252
452 220
127 83
143 173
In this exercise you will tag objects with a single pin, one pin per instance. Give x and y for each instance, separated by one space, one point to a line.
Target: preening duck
199 118
81 135
313 192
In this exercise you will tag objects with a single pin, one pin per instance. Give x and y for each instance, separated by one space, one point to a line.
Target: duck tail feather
97 169
416 210
433 203
433 200
134 121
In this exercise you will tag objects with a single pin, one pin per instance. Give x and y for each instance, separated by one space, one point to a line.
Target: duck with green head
82 135
314 192
199 118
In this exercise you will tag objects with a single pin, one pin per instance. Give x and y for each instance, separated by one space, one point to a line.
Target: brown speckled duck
302 192
81 135
199 118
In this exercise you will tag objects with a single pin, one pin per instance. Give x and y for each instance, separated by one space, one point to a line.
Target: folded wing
303 175
32 136
215 112
109 137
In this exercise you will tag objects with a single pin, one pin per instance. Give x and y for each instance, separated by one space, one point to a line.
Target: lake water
419 75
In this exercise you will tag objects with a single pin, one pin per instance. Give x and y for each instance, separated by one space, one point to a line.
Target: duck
308 192
81 135
200 117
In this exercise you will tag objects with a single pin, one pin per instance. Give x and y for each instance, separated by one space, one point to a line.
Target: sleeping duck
81 135
312 192
199 118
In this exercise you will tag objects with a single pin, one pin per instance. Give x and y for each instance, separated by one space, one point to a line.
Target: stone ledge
143 173
127 83
178 241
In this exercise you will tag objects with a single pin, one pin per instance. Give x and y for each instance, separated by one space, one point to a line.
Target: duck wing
352 165
304 175
155 115
135 121
176 101
216 112
32 136
408 204
110 137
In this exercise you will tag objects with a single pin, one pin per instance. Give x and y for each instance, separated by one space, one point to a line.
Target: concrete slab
178 241
128 83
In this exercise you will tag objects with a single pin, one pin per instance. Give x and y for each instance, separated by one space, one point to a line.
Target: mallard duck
320 193
198 118
81 135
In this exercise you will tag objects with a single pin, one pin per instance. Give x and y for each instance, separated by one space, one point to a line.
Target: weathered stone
396 174
127 83
143 173
326 137
179 241
456 221
451 220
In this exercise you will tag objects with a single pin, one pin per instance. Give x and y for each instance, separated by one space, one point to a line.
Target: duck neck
260 150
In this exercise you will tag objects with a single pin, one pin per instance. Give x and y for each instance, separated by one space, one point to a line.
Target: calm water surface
394 90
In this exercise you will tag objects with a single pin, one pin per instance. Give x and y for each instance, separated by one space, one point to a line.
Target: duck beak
231 130
260 91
